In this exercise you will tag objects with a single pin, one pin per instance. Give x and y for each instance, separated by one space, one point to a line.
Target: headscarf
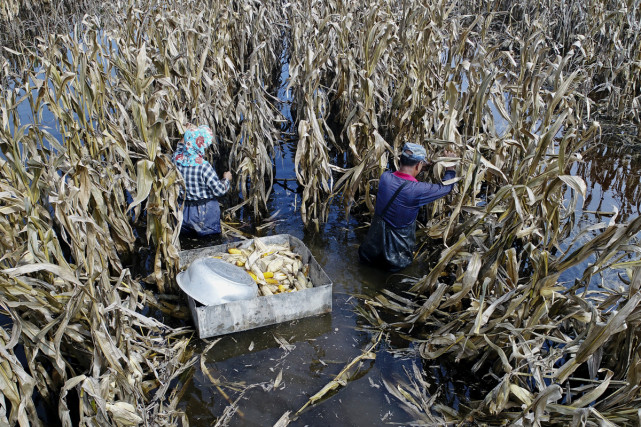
191 151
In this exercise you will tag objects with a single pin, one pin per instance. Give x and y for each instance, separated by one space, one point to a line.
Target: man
391 237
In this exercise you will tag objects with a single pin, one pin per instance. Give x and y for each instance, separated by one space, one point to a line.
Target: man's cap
414 152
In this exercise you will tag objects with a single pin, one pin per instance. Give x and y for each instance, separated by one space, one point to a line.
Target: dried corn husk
274 267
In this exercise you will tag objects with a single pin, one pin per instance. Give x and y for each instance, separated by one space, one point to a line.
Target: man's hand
448 153
227 176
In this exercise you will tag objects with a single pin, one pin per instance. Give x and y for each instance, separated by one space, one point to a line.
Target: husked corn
275 268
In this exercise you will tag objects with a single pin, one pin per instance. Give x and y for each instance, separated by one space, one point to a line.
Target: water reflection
612 171
300 330
277 368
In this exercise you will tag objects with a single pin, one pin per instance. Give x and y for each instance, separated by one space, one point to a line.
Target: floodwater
275 369
272 370
612 172
316 349
269 371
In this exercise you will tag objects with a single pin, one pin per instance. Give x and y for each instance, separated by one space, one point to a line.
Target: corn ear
264 289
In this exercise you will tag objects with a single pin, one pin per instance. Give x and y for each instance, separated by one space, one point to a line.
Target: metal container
234 316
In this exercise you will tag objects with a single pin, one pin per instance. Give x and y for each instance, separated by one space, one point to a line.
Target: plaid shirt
201 182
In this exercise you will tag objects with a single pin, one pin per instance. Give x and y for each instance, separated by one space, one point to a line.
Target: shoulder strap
398 190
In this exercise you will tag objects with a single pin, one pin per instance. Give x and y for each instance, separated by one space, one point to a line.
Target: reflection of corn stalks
275 268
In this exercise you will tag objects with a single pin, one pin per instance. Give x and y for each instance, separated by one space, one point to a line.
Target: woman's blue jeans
201 217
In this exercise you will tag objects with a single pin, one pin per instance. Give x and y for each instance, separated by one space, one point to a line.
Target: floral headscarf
191 150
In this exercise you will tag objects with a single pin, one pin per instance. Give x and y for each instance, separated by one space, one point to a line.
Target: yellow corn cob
253 276
234 251
240 263
268 274
271 281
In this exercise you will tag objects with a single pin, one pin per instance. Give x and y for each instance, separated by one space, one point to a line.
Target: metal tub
234 316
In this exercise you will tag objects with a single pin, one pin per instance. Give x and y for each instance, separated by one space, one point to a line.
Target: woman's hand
227 176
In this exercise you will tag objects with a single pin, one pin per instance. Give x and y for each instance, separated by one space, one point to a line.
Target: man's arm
431 192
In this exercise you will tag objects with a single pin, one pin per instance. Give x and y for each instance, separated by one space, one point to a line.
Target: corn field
93 107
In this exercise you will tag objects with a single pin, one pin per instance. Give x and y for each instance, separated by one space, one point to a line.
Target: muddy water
275 369
272 370
612 172
316 348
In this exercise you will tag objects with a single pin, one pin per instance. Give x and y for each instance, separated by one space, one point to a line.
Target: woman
201 212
